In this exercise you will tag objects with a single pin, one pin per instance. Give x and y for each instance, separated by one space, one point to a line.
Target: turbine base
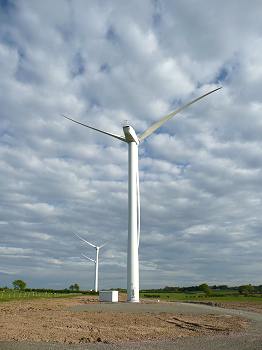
133 301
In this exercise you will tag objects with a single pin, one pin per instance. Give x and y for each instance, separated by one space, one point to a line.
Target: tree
19 284
204 288
246 289
74 287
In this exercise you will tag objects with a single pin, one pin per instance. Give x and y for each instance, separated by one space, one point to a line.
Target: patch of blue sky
183 165
7 20
8 40
199 85
222 75
111 35
65 157
105 68
174 104
21 52
67 31
78 66
6 138
157 17
25 72
26 75
226 71
94 103
7 5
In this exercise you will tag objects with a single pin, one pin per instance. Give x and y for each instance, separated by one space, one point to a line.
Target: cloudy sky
103 62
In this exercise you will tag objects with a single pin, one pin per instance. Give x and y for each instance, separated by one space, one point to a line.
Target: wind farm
95 261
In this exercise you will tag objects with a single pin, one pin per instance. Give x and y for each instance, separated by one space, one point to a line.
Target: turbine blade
91 127
82 239
159 123
102 245
88 258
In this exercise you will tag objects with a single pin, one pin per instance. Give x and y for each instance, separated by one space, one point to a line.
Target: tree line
246 289
22 286
207 289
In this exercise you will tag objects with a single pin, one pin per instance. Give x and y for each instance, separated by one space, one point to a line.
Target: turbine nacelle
130 134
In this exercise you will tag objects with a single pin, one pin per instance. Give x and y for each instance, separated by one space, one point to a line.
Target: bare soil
49 320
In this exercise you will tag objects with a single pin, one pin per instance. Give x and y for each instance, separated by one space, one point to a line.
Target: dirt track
82 320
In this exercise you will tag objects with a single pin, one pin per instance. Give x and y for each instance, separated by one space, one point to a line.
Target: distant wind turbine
94 261
133 140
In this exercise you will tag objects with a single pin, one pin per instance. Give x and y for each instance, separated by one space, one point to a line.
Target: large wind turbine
97 248
133 140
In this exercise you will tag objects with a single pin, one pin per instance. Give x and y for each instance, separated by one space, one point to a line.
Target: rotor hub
130 134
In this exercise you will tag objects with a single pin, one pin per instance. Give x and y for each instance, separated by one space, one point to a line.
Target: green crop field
8 295
219 296
216 296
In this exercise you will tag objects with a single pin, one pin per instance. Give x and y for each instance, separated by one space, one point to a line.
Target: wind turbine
94 261
133 140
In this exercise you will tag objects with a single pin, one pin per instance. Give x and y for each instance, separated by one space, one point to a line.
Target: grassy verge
20 295
220 297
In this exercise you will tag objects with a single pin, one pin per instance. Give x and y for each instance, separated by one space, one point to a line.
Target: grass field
219 296
8 295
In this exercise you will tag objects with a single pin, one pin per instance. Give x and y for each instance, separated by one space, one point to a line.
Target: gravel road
251 340
183 308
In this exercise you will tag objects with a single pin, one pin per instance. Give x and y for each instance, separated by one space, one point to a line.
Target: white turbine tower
96 261
133 140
